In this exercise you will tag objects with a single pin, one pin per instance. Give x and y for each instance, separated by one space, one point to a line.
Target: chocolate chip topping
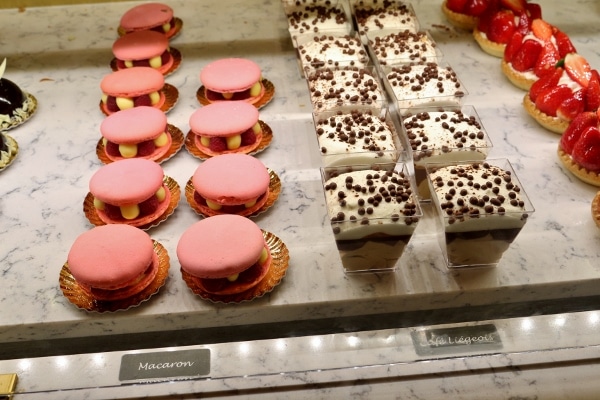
343 86
387 10
378 193
358 129
309 17
325 50
406 45
430 76
476 198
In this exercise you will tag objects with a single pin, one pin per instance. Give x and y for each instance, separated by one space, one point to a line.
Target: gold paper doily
90 211
176 54
177 140
18 120
274 190
171 96
263 101
190 142
77 296
280 258
178 26
12 143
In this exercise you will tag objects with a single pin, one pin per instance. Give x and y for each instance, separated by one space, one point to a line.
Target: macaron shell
225 118
220 246
110 256
145 16
231 179
230 75
132 82
134 125
140 45
127 182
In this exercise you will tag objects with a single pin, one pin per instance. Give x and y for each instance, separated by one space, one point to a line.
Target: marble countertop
59 54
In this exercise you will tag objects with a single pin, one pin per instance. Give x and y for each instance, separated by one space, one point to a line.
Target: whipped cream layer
329 88
477 197
424 84
355 137
361 203
445 136
372 15
402 46
320 51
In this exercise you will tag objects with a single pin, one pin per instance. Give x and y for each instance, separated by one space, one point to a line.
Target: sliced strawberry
217 144
527 55
572 106
549 100
485 18
534 10
547 60
563 42
516 6
541 29
524 25
592 95
501 27
573 132
513 46
457 6
544 83
578 68
586 151
477 7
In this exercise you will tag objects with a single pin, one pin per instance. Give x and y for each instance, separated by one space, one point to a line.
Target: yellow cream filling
264 254
234 142
162 140
131 211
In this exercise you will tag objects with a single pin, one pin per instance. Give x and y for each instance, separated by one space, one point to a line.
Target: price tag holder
165 365
8 382
456 339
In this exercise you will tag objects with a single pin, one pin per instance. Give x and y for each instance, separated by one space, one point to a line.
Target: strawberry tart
556 98
533 51
498 24
464 14
579 147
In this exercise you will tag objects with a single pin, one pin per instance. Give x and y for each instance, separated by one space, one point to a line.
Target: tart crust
458 20
492 48
586 176
515 77
596 209
553 124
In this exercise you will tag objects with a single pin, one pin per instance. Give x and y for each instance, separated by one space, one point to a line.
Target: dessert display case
60 54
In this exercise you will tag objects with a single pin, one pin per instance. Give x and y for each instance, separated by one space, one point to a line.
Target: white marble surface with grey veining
60 54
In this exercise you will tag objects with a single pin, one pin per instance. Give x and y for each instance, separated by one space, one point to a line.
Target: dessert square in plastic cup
440 85
359 134
321 50
371 229
393 47
317 16
373 15
477 222
345 85
442 135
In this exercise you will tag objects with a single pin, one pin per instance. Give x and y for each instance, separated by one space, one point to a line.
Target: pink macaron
150 16
113 262
224 254
143 49
226 127
139 132
132 87
231 184
232 79
130 191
